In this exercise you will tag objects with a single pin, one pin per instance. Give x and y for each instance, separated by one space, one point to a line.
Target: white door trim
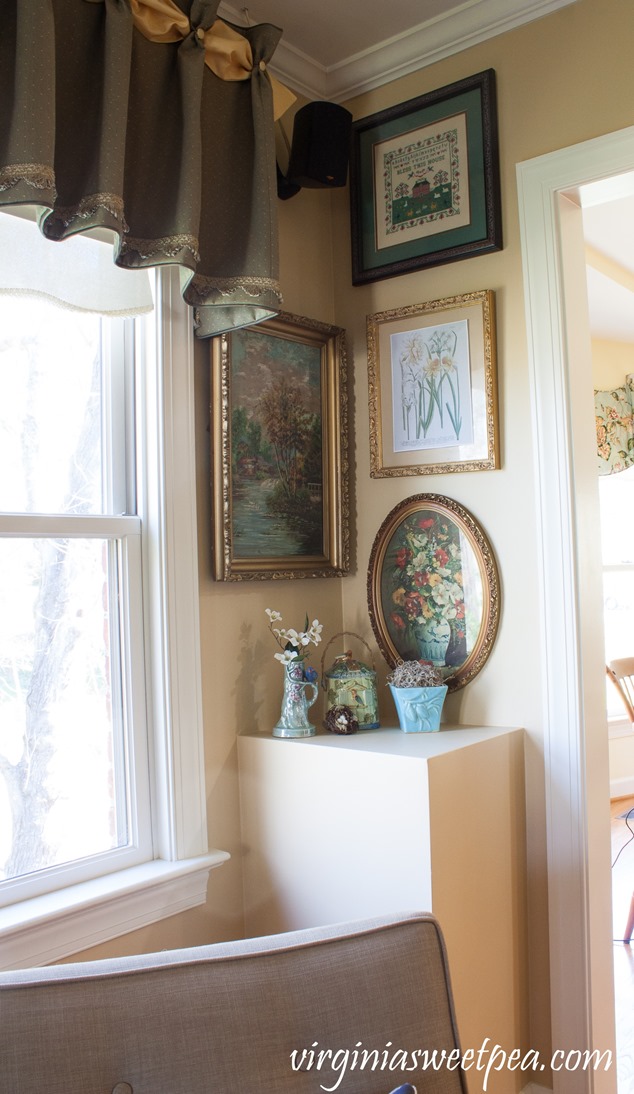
574 943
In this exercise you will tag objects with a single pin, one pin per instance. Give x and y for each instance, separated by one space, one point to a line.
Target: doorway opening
609 235
575 749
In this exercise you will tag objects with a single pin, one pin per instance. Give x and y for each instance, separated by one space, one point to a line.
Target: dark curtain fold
101 127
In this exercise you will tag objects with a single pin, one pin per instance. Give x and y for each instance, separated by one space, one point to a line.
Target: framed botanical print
432 379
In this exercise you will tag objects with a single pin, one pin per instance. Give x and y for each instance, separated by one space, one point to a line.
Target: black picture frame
457 214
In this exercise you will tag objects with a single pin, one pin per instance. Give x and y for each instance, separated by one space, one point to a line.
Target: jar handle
309 702
329 644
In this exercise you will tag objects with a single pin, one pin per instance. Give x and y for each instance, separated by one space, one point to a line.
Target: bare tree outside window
59 716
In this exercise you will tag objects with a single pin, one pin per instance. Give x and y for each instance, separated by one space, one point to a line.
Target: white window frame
59 924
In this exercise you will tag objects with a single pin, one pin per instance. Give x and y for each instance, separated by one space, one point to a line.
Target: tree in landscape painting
247 446
276 446
287 425
294 435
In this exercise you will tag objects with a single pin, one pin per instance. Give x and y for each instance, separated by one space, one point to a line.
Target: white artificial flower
298 640
286 657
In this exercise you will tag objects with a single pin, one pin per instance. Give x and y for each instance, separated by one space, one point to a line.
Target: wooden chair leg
630 922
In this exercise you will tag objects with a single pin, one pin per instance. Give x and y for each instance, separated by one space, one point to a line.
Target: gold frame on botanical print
432 378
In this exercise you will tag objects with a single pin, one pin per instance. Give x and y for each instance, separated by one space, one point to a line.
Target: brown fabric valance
102 126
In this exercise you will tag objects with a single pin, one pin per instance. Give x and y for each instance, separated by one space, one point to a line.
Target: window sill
47 928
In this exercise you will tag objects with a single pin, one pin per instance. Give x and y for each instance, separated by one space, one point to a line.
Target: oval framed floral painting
433 588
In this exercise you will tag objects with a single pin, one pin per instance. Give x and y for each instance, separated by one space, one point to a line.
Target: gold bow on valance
227 53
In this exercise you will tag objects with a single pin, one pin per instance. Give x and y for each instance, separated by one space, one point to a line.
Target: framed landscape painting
424 181
279 451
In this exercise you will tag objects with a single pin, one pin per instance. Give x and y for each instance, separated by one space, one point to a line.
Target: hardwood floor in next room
622 887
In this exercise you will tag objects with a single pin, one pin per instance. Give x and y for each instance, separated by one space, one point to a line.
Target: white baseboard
623 787
533 1088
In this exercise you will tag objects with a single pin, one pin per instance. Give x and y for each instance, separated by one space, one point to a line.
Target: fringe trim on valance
88 208
37 175
167 247
205 289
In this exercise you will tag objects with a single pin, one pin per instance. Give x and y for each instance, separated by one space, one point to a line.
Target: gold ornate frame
473 315
400 589
305 354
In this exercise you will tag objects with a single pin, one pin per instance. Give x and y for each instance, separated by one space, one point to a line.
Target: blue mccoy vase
419 709
295 704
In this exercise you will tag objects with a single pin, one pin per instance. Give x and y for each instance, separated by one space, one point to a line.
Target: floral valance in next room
614 412
153 119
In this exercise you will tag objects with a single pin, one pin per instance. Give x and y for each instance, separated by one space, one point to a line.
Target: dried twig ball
341 720
414 674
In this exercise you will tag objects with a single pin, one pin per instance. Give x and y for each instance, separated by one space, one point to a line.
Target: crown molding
465 26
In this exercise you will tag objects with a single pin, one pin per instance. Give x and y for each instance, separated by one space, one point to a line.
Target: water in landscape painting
276 446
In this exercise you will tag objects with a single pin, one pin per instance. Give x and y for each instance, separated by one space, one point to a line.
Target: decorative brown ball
341 720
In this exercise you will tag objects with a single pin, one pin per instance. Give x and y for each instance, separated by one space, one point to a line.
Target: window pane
51 408
61 736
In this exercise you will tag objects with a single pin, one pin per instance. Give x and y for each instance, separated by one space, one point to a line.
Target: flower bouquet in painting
298 676
433 588
425 591
419 694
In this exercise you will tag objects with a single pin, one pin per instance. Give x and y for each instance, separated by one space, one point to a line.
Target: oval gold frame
469 527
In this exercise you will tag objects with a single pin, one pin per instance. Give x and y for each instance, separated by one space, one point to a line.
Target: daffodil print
431 387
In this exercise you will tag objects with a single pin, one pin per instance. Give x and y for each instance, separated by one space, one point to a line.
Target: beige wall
561 80
611 362
242 681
